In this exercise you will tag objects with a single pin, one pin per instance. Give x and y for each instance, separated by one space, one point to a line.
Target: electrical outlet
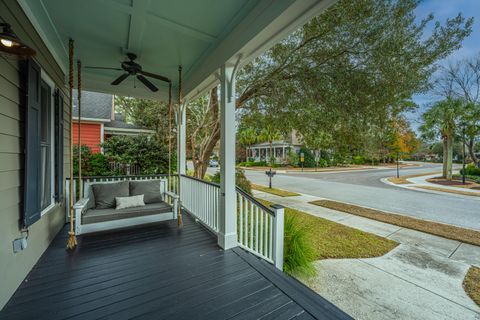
19 244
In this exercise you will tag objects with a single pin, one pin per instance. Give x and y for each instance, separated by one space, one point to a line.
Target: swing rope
72 240
79 96
179 119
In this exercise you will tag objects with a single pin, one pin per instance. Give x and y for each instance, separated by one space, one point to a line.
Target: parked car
213 163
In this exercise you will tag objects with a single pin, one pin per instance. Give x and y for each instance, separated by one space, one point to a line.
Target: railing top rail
239 190
125 176
203 181
256 202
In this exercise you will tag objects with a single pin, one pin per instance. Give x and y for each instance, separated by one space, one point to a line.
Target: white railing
201 199
259 228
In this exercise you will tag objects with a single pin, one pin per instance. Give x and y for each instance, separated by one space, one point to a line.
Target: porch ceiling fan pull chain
72 240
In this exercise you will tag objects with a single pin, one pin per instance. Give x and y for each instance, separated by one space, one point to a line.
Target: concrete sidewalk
420 279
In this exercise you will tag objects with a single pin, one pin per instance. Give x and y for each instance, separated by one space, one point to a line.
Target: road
365 188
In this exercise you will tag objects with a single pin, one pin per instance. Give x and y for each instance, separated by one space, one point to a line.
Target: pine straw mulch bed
439 229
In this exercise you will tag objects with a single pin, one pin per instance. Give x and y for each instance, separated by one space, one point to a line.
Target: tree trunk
201 154
445 157
471 151
449 157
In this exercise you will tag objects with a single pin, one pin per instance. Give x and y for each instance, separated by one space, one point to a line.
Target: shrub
298 251
241 180
308 157
322 163
99 165
471 170
92 164
358 160
292 158
150 153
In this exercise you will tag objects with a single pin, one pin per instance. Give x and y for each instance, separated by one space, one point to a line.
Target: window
46 143
43 185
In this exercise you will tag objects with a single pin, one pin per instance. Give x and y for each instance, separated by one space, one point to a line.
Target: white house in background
280 149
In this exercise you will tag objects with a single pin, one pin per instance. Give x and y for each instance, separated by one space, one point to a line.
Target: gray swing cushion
91 199
105 193
150 190
105 215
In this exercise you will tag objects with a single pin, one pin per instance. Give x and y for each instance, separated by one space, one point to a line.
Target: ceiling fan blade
120 79
102 68
155 76
147 83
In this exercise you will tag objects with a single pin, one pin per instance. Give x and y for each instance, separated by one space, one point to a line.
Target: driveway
365 188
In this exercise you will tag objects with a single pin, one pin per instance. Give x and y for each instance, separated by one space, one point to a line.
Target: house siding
15 266
90 135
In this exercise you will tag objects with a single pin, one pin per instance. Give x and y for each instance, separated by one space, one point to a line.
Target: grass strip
332 240
460 192
274 191
403 179
439 229
471 284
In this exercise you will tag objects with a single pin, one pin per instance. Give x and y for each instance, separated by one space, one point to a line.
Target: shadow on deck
158 272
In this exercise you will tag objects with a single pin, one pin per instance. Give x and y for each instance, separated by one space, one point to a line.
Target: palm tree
247 137
270 134
442 120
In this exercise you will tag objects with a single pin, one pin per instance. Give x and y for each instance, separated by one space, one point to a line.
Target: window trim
45 77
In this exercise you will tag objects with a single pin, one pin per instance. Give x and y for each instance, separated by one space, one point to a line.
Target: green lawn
274 191
332 240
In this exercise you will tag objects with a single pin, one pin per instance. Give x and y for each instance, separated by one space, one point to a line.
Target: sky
443 9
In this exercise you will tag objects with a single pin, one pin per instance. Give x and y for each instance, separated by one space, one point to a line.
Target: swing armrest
81 204
172 195
79 208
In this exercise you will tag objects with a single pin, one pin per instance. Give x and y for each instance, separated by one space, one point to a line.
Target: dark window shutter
32 146
58 146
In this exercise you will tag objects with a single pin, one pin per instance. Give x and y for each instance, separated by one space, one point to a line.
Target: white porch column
181 139
227 220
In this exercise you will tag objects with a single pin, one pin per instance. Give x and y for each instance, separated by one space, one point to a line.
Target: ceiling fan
131 68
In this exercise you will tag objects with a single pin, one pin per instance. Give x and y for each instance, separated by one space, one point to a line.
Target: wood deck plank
158 272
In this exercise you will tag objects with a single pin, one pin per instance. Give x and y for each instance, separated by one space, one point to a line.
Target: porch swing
94 212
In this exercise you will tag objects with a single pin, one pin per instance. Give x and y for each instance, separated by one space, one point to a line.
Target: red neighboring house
99 120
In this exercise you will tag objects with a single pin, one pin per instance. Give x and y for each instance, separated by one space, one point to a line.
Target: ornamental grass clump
299 253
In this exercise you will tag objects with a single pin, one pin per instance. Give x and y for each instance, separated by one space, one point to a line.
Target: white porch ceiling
200 35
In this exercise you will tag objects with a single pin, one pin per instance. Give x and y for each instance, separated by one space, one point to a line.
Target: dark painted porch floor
157 272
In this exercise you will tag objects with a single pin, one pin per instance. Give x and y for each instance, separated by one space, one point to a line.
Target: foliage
203 130
350 71
92 164
461 80
240 179
149 152
293 158
471 170
346 72
298 250
147 113
253 164
358 160
442 120
308 157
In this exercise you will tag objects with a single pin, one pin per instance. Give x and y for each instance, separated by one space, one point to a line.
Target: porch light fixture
10 43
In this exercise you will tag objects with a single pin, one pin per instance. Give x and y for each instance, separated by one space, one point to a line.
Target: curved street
365 188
